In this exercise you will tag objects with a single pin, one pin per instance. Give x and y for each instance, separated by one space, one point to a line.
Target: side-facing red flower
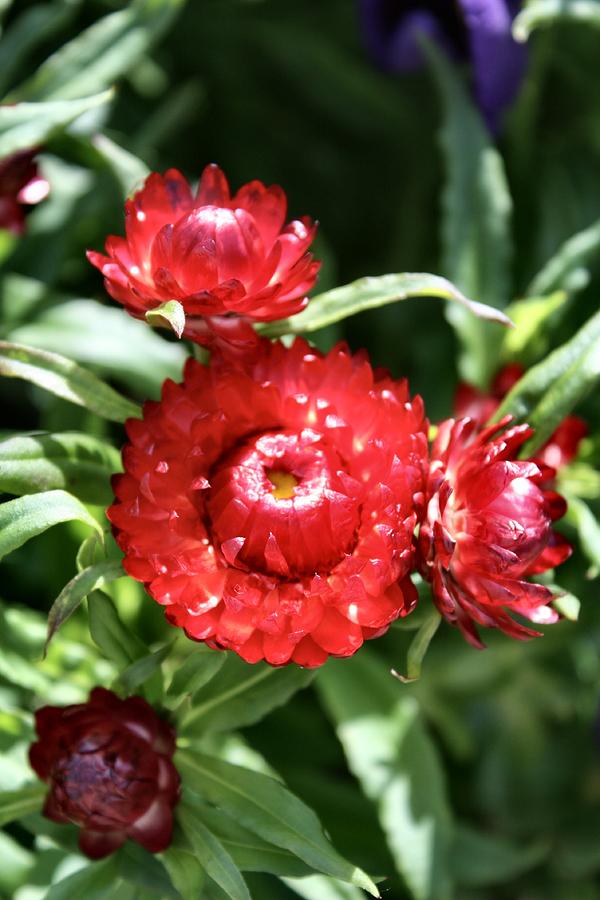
109 766
487 527
216 254
560 448
21 185
269 503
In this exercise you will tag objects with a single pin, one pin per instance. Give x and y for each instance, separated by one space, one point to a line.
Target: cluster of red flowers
270 502
277 501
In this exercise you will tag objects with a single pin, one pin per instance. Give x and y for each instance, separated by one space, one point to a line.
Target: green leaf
248 851
17 862
389 751
419 646
102 336
102 53
198 669
15 804
566 270
63 377
95 881
78 588
529 339
168 315
184 869
79 463
144 870
26 125
240 695
476 219
565 603
549 391
317 887
547 12
581 517
142 669
481 860
266 807
372 292
110 634
25 517
211 854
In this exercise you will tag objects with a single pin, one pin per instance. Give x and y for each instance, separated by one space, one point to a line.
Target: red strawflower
487 527
21 185
216 254
560 448
269 503
109 766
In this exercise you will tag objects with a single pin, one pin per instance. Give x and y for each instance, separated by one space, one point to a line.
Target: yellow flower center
283 483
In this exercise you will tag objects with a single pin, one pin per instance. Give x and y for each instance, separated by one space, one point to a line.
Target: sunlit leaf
78 463
537 13
15 804
63 377
265 806
25 125
397 764
72 595
211 854
372 292
25 517
567 269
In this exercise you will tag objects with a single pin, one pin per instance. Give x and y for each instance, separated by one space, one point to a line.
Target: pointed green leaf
15 804
372 292
317 887
241 694
25 125
529 339
184 869
78 588
63 377
79 463
549 391
266 807
211 854
25 517
581 517
249 851
566 270
118 346
539 13
390 753
168 315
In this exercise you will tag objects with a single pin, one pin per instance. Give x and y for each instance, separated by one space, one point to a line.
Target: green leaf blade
28 516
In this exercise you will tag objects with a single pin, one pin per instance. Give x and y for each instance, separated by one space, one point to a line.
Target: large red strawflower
562 445
269 503
216 254
109 766
21 186
488 526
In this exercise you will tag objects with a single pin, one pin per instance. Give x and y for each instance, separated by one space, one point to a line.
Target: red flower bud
269 502
21 185
488 526
216 254
109 766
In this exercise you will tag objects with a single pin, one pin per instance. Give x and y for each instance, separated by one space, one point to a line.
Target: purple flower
478 31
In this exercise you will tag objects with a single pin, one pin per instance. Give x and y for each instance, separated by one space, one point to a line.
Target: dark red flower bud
228 260
109 766
21 185
488 526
